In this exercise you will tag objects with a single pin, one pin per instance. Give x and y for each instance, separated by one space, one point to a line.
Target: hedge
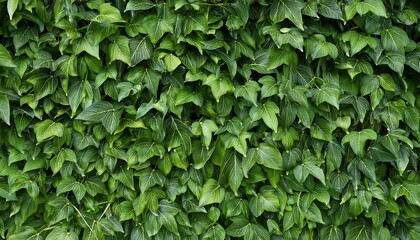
209 119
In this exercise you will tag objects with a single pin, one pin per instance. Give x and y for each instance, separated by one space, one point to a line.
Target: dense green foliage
209 119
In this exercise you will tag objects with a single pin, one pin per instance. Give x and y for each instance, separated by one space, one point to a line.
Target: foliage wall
209 119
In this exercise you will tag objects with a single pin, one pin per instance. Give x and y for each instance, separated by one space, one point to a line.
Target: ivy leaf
108 13
134 5
206 128
211 193
47 129
356 230
86 44
376 7
266 155
97 32
104 112
5 58
357 140
394 39
140 49
156 27
12 6
282 9
171 62
249 91
358 41
330 9
268 112
285 36
328 93
220 85
394 60
60 233
119 50
5 109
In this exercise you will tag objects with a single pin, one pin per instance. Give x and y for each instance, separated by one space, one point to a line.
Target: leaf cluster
186 119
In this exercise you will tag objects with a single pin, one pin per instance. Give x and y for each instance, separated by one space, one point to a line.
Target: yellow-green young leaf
186 95
357 140
119 50
171 62
4 109
48 128
12 5
324 49
211 192
5 58
268 112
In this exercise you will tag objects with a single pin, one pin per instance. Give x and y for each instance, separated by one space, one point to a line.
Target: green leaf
357 140
269 156
282 9
48 128
220 85
330 9
140 49
205 128
5 109
86 44
5 58
285 36
376 7
216 232
108 13
60 233
394 39
98 31
358 41
134 5
322 129
171 62
265 200
12 6
104 112
324 49
328 93
156 27
248 91
119 50
195 22
186 95
357 231
331 232
268 112
211 192
394 60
